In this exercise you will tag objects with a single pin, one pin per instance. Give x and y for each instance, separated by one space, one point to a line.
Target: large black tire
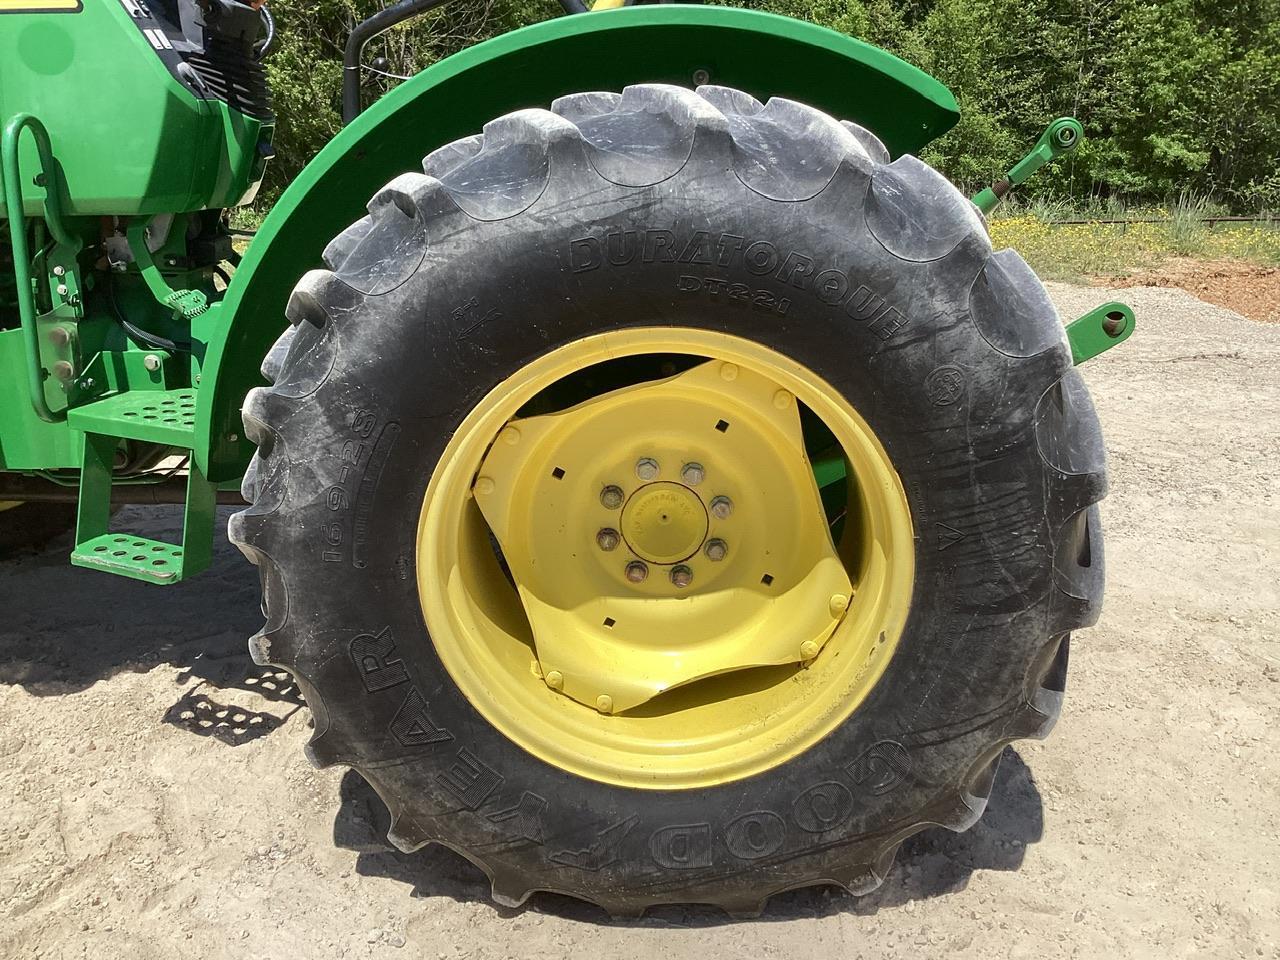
662 206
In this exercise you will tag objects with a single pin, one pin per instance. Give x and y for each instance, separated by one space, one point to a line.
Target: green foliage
1179 98
305 68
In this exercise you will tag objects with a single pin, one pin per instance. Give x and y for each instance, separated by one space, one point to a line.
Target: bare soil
155 801
1250 289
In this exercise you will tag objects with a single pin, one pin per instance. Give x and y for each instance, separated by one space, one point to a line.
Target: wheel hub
664 533
664 522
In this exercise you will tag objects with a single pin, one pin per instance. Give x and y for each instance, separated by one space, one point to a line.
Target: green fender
761 53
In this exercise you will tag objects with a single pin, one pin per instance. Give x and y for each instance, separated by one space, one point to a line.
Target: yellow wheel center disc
607 553
664 522
643 588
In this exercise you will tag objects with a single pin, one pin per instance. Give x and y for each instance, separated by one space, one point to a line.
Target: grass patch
1071 251
250 217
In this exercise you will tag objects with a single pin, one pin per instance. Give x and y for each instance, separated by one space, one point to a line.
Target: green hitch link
1061 136
1099 330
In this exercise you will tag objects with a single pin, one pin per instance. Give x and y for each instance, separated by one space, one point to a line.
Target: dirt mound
1250 289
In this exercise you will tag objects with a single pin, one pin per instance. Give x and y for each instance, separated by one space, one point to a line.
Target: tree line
1178 97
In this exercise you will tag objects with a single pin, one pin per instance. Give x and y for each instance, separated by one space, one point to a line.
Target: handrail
18 235
366 30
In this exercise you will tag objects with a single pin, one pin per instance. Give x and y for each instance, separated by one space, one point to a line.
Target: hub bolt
693 474
608 539
721 507
637 571
611 497
647 468
681 576
716 549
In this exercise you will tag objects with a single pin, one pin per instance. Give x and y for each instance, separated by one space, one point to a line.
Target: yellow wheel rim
673 612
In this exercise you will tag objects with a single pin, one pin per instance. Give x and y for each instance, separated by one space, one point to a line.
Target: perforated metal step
131 556
158 416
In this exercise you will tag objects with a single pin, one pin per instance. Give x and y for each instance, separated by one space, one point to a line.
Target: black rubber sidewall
965 449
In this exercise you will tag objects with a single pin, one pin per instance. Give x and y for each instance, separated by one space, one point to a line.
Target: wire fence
1268 220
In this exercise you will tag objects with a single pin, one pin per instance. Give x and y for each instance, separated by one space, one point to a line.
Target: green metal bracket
1061 136
48 179
1099 330
829 469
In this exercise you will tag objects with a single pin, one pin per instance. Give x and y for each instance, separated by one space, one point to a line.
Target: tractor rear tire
703 212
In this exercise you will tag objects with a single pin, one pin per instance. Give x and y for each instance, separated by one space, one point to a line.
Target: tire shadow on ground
933 863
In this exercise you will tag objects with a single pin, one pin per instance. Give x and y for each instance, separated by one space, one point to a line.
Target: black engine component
213 46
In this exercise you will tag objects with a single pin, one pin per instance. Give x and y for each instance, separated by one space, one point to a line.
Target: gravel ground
156 801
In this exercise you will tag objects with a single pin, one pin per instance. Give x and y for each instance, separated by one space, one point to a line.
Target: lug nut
604 703
716 549
721 507
637 571
681 576
808 650
646 468
611 497
554 679
608 539
693 474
